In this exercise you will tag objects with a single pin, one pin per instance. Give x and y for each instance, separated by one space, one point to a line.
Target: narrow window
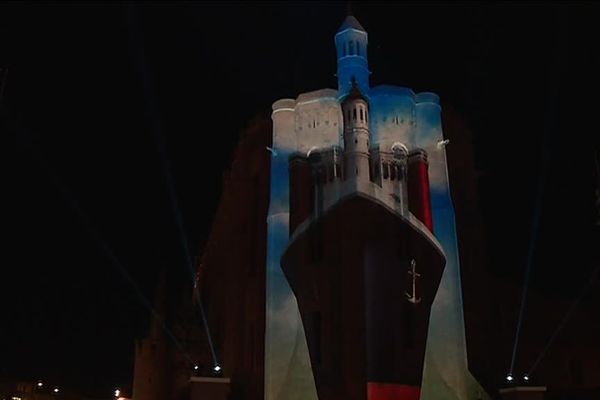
356 171
321 175
357 48
361 115
316 238
392 172
386 171
316 337
251 347
354 114
576 368
351 48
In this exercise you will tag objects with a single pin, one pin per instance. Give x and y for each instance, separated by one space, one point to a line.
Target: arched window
351 50
386 170
357 48
354 114
362 118
392 172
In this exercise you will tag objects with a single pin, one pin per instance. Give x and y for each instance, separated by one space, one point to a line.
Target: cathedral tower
356 134
351 42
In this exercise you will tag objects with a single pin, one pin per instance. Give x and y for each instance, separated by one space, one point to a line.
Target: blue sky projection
397 114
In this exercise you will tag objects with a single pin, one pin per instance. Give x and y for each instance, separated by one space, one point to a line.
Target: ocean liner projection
363 278
362 261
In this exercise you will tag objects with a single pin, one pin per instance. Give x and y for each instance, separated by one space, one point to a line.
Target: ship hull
349 270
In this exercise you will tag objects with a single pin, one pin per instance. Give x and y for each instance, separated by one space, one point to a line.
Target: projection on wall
363 284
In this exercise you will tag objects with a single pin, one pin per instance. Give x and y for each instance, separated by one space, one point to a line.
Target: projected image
363 287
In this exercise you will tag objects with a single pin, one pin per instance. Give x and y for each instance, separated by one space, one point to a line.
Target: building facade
337 266
383 145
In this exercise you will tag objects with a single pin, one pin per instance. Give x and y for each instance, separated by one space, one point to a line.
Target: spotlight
526 377
40 384
117 392
217 368
55 390
509 377
195 367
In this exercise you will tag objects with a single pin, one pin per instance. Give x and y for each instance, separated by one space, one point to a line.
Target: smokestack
419 198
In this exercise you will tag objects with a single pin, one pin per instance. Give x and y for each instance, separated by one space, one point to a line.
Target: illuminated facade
362 170
377 187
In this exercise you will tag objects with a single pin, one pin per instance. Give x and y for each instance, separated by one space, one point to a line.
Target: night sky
107 106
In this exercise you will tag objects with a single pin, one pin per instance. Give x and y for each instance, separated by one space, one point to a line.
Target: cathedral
345 256
370 295
337 266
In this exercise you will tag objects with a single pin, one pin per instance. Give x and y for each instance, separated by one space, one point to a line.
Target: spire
351 23
351 43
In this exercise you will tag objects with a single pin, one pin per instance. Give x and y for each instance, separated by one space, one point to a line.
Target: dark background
109 108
